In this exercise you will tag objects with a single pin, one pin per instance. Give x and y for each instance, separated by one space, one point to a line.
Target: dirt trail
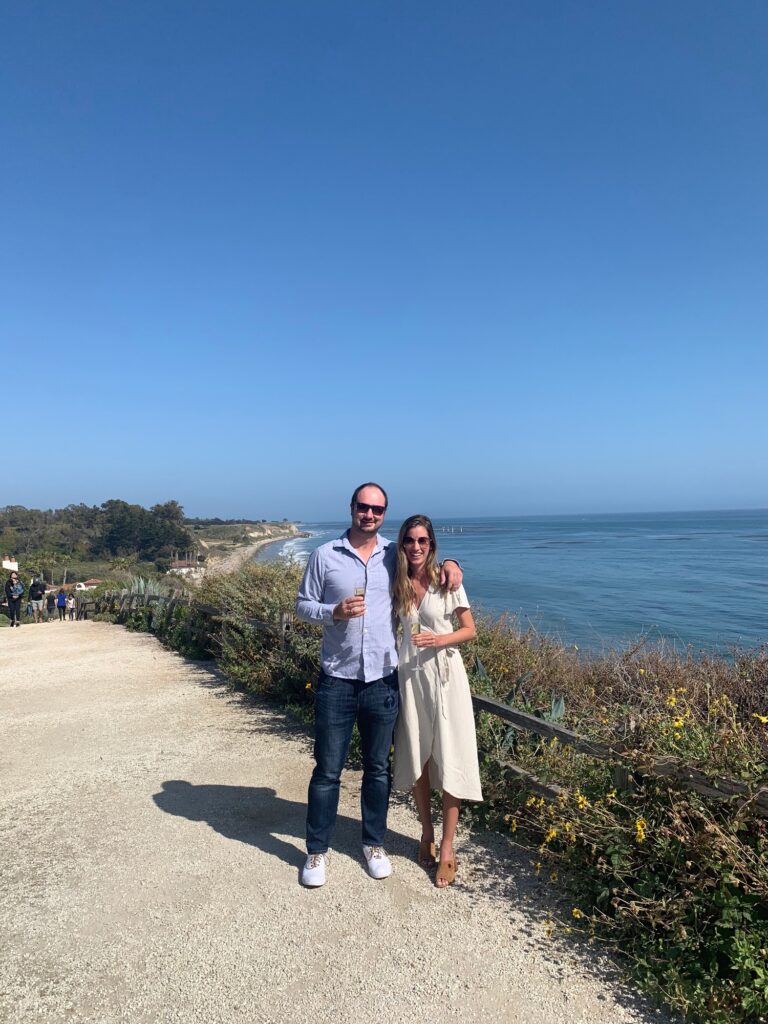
152 827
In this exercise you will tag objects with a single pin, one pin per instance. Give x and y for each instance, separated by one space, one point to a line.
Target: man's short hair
362 487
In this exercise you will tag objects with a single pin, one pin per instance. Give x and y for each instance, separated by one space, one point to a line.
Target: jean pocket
391 695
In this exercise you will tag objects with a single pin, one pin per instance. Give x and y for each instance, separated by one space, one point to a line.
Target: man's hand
450 575
349 608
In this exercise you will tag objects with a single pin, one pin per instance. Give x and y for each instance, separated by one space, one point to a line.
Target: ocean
694 579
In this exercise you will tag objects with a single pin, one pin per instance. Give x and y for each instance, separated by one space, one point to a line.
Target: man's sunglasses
423 542
378 510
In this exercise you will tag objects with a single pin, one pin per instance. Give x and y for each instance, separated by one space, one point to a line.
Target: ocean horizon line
553 515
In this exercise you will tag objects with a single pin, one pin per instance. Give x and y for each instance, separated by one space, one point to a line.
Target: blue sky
504 257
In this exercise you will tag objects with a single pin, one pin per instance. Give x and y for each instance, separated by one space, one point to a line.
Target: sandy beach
232 560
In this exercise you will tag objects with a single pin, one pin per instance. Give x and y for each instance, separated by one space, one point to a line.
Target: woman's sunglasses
423 542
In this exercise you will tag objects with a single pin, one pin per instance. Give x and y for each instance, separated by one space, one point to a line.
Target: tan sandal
427 853
446 873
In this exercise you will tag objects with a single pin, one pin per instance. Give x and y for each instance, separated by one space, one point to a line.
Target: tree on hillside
46 561
64 562
123 563
149 532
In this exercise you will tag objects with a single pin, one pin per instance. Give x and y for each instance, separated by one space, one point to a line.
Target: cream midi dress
436 724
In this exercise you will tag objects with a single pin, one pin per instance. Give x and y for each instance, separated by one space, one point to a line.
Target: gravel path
152 826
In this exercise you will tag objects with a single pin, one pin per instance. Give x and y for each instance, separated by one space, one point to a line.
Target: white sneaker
379 864
313 872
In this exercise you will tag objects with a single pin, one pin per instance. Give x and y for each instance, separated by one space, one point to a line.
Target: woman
435 745
61 604
50 605
14 591
71 605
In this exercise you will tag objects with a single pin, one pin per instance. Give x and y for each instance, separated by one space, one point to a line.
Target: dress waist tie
444 654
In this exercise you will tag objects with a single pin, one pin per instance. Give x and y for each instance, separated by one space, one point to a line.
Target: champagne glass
415 630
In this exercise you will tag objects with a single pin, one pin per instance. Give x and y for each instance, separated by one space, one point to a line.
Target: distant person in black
50 605
36 596
14 591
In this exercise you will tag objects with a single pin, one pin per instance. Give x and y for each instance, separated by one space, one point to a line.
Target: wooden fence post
188 625
286 625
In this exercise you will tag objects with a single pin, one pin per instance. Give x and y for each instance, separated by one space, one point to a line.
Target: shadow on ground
495 867
256 815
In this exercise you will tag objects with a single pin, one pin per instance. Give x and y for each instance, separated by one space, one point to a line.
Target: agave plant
145 586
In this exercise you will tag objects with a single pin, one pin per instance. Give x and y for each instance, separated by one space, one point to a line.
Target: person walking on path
435 743
36 597
50 605
71 605
14 591
346 588
61 604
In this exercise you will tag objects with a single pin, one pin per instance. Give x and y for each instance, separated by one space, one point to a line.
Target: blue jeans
339 703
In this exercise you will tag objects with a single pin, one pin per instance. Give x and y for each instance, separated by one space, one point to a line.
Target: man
346 589
36 597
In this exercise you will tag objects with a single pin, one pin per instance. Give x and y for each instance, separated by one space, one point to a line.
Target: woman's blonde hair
403 596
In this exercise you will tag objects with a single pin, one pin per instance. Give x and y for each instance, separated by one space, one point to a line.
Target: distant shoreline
228 563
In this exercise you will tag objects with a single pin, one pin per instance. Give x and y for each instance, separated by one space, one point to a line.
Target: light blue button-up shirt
363 648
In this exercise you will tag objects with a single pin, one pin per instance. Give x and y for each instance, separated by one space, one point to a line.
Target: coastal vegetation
81 541
675 881
81 538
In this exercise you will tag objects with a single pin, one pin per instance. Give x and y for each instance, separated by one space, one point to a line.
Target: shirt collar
343 542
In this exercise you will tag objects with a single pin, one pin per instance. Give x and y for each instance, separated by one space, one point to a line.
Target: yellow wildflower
552 834
578 914
761 718
611 794
530 801
537 867
678 723
513 825
641 671
581 801
308 686
671 700
553 876
640 827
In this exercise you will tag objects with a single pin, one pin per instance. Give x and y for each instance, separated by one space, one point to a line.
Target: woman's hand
427 640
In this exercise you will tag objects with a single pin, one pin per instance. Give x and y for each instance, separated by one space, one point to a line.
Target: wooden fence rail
629 765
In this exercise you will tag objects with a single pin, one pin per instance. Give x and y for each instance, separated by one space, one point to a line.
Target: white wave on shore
293 551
